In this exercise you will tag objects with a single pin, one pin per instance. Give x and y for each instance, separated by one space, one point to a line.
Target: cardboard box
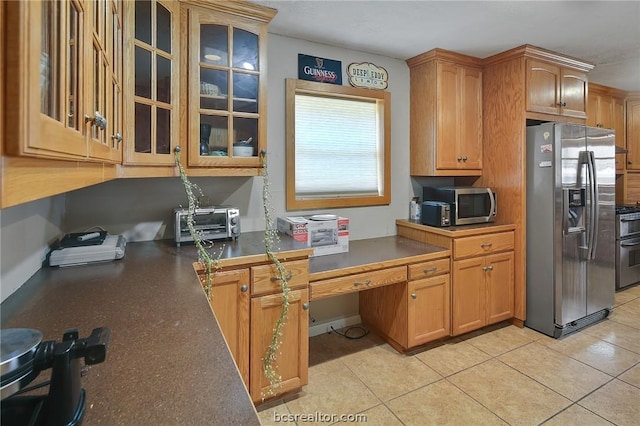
325 236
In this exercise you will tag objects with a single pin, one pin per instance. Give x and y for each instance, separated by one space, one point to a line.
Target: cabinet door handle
459 159
486 245
244 288
287 277
487 268
427 270
464 158
359 283
414 296
562 104
97 120
305 306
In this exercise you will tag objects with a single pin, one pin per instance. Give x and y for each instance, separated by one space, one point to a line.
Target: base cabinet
293 354
247 302
428 310
230 302
482 291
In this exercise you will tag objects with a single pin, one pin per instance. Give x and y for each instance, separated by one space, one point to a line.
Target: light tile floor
499 375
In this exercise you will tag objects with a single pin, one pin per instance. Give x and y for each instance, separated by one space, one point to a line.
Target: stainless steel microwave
468 203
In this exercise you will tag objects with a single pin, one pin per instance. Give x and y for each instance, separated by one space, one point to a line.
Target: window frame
293 87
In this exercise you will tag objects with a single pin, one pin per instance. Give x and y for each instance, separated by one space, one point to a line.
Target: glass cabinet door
152 98
55 63
224 89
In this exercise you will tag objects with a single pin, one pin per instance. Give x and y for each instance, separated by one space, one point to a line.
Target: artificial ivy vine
271 241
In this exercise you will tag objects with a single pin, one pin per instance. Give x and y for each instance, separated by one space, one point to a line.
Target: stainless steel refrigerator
570 226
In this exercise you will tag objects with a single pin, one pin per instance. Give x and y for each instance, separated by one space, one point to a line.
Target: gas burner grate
627 209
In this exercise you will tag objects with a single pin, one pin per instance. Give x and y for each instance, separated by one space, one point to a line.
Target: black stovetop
627 209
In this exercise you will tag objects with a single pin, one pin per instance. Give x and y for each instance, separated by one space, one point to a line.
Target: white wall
26 231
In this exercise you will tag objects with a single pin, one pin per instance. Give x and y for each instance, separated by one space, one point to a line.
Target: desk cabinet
413 312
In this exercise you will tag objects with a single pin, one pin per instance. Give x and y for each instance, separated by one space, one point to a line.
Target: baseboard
337 323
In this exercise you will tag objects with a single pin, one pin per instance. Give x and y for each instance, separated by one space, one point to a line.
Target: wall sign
367 75
319 69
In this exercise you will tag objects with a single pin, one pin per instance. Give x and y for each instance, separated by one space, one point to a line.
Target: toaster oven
213 223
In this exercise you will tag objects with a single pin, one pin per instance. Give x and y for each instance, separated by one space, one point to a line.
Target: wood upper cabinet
152 101
226 79
446 114
633 135
555 89
607 110
64 79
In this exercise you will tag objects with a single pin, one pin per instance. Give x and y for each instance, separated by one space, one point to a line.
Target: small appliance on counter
436 213
87 247
468 204
213 223
24 355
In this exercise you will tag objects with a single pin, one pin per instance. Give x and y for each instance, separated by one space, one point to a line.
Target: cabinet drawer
482 244
357 282
428 269
265 279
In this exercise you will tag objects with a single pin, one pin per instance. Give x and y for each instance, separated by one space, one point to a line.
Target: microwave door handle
493 203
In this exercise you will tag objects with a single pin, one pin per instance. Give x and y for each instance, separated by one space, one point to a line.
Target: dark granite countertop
167 361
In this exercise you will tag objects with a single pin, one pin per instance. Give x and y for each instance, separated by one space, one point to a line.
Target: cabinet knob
414 296
486 245
487 268
244 288
464 158
97 120
629 162
459 159
562 104
117 138
305 306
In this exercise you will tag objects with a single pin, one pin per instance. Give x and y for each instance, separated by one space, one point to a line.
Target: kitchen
139 207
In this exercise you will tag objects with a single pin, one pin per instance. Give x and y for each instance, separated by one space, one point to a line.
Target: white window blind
338 147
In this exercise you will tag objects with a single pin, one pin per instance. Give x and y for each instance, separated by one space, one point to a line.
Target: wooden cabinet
413 312
482 289
226 79
229 300
445 114
633 135
555 89
152 101
607 110
293 355
247 301
65 79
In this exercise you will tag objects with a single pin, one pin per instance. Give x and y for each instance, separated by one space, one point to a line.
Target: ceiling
605 33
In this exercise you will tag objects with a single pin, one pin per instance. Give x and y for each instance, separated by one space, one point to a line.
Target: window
338 146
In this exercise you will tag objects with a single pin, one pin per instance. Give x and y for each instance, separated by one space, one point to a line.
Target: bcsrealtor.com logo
318 417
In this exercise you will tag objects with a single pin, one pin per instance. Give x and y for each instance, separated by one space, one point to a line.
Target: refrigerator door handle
595 210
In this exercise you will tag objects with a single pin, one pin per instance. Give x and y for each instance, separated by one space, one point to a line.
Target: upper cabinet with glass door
227 85
151 87
61 72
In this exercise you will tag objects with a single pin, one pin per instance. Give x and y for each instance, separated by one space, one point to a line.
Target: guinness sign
320 70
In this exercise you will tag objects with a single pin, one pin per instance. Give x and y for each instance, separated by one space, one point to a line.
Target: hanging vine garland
203 255
271 241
